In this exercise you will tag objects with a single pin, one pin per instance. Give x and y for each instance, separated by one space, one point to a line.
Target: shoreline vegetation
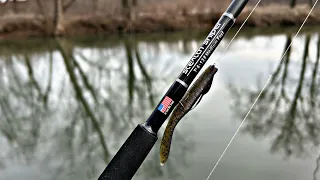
67 19
9 47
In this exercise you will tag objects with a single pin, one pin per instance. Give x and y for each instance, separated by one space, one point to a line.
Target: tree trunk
133 9
15 9
95 6
134 3
126 8
58 18
293 3
45 15
310 3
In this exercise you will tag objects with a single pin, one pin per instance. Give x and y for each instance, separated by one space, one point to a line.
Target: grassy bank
154 19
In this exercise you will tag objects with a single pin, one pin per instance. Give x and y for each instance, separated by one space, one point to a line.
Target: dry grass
282 15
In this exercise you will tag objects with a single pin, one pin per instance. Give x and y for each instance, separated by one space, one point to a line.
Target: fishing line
261 89
238 31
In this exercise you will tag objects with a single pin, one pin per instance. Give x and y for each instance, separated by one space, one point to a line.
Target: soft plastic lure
189 101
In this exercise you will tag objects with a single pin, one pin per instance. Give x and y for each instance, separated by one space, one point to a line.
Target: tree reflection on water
71 108
68 107
288 109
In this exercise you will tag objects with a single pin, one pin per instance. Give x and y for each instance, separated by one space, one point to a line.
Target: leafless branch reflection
67 108
288 109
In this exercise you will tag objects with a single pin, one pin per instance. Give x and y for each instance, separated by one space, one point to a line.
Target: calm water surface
68 105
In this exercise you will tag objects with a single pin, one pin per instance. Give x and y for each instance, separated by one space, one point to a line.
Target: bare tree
58 18
95 4
81 104
15 8
60 8
285 108
293 3
310 3
45 15
67 57
128 7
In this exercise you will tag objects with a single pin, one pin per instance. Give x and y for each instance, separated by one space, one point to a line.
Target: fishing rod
132 153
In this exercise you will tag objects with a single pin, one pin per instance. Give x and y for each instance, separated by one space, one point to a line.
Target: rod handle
132 153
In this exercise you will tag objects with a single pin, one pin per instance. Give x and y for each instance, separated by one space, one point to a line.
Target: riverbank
21 26
36 45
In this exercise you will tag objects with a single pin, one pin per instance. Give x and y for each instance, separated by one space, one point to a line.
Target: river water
67 105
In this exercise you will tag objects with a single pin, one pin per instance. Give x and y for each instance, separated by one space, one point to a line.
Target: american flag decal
165 105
